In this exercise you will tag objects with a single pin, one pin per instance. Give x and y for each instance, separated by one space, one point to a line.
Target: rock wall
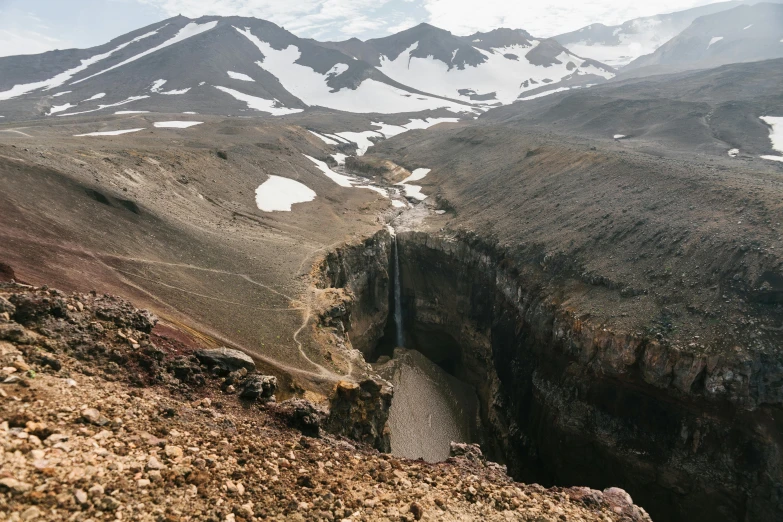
361 272
690 435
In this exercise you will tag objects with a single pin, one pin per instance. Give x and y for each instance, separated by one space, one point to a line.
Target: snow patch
339 158
240 76
545 93
109 133
393 130
278 194
773 158
176 124
776 135
747 27
132 112
361 139
619 136
190 30
343 181
157 84
396 203
715 39
259 104
100 107
96 97
417 175
59 108
60 94
733 153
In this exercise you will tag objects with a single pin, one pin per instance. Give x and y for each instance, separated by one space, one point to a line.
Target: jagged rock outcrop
360 412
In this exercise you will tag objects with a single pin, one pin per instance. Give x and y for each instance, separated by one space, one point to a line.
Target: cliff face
361 272
692 436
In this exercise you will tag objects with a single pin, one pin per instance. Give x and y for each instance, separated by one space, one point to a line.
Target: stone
30 513
17 486
467 451
96 491
154 463
81 496
143 483
226 359
93 416
259 387
173 452
416 510
6 306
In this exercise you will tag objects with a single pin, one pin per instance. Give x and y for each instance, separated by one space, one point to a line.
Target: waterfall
397 295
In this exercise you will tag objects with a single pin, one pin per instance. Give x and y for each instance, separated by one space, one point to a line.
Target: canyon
562 400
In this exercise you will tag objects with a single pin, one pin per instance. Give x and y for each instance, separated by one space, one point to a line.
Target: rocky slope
104 417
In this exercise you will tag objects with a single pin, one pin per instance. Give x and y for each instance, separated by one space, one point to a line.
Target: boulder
226 359
471 452
259 387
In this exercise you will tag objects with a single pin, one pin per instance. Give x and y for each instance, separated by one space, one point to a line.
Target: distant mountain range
236 65
246 66
743 34
619 45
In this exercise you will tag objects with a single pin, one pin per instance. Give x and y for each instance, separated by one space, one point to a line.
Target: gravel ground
164 437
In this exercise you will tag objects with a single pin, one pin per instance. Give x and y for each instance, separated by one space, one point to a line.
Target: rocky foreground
102 419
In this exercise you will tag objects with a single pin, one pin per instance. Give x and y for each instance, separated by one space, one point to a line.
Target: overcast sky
34 26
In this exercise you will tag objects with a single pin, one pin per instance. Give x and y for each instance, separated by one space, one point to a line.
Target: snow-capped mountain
494 68
743 34
619 45
235 65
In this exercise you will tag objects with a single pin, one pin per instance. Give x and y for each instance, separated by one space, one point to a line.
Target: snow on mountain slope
503 76
63 77
484 69
236 65
313 88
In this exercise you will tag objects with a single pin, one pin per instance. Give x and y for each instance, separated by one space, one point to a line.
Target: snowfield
278 194
504 76
311 87
775 136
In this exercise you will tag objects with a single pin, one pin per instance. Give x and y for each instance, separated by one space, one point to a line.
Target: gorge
559 400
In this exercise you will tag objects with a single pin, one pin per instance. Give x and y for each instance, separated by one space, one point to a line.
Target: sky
35 26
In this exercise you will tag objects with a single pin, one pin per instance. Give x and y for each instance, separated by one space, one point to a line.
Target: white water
397 295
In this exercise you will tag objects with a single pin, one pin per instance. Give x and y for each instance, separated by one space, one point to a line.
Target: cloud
14 42
311 18
540 18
